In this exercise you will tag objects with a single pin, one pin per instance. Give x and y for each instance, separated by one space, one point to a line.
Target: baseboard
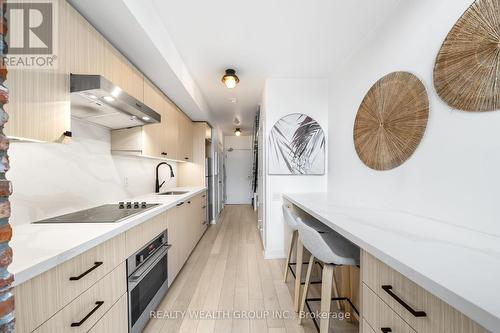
274 254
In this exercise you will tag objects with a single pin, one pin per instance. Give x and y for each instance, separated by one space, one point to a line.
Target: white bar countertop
460 266
40 247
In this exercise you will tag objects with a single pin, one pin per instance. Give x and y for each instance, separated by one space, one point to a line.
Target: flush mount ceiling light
230 79
237 131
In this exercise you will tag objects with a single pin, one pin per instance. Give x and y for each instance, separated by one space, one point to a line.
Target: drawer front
366 328
115 320
140 235
439 316
83 312
378 315
41 297
203 204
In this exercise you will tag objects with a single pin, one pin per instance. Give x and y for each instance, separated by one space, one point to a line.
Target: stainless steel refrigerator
209 183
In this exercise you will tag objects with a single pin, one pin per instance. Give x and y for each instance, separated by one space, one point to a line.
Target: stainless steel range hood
97 100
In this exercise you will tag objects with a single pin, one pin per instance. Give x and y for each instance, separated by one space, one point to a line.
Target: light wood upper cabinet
171 129
154 135
185 138
122 73
39 104
171 139
40 107
193 173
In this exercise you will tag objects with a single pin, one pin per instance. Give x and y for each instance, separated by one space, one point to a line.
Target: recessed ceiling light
108 99
146 118
230 79
237 131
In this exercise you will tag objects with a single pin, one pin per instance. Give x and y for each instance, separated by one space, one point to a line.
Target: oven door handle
147 266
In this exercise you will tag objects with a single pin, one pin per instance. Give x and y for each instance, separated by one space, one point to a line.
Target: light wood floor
226 275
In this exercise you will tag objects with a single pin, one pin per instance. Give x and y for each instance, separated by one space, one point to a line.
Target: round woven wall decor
467 67
391 121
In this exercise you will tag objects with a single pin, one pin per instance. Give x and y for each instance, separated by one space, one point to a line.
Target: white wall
282 97
454 174
238 142
53 179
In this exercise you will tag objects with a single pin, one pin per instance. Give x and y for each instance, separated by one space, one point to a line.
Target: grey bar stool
333 250
291 216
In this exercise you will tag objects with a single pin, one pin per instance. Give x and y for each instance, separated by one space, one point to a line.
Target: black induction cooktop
102 214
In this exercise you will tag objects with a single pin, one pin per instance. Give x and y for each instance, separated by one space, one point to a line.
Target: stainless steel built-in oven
147 281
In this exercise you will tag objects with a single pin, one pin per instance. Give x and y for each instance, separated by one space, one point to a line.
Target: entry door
239 176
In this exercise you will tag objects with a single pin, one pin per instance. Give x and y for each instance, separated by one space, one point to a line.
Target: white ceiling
264 38
258 38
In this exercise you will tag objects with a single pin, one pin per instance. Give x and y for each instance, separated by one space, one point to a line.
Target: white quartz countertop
460 266
40 247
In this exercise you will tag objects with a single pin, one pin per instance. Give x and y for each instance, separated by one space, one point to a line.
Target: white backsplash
50 179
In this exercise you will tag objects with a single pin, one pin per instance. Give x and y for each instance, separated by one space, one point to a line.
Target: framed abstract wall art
297 146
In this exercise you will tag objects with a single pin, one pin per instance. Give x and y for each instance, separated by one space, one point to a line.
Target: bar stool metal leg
298 275
326 296
293 240
306 288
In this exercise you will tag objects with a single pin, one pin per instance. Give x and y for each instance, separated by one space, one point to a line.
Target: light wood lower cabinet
115 320
175 240
84 311
41 297
439 316
52 301
140 235
379 315
185 228
366 328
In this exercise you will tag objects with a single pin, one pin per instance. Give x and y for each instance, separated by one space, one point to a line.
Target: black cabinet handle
180 204
76 278
186 158
388 289
69 134
386 329
98 304
164 154
203 207
203 196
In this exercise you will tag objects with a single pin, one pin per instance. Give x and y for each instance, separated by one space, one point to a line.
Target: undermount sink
173 193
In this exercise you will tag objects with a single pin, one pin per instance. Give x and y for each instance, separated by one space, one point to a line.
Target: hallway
226 276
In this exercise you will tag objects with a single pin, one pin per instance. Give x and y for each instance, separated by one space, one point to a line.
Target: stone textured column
6 279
